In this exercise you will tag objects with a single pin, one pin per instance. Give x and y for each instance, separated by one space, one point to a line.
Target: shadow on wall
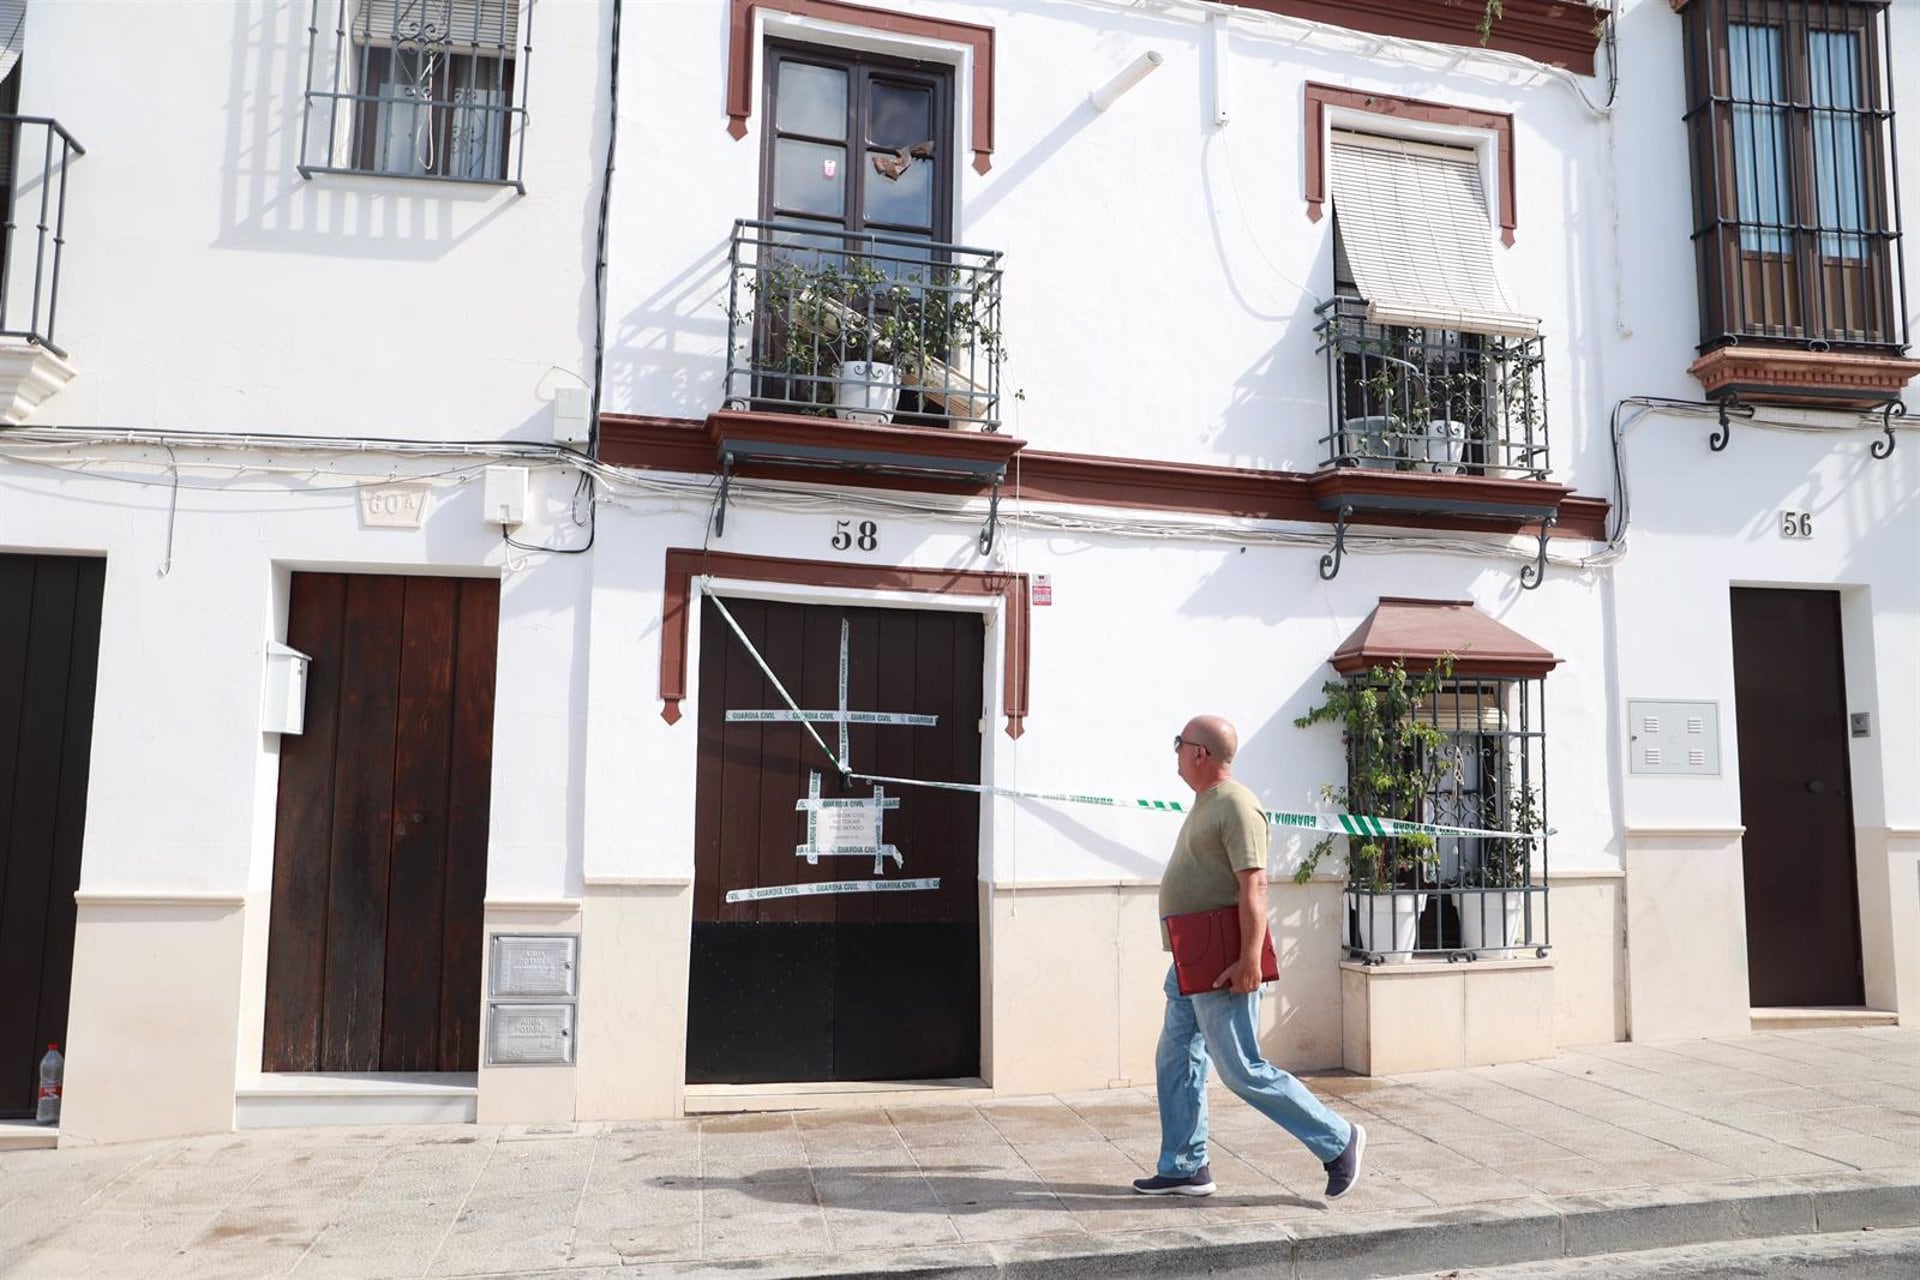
668 355
266 206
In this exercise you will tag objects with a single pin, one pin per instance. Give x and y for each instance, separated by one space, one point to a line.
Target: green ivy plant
1395 759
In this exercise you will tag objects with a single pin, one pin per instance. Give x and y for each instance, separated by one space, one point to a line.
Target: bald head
1216 734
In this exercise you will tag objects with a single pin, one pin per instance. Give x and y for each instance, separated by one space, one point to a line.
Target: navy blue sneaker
1197 1183
1344 1170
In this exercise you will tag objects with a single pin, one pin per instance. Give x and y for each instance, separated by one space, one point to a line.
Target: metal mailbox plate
529 1034
534 966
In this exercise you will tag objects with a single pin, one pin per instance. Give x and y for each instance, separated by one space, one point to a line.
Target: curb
1394 1244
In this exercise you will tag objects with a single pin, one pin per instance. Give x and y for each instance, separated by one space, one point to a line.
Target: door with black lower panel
857 984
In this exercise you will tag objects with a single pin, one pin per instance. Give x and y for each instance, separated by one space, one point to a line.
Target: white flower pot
1490 922
867 392
1389 923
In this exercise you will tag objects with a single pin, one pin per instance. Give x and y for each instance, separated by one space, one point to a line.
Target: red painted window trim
677 616
1554 32
1322 96
975 37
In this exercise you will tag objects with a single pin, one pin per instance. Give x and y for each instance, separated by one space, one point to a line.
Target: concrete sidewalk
1616 1147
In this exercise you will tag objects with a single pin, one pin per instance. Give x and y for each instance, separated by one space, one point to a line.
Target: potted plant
1395 759
1493 903
851 336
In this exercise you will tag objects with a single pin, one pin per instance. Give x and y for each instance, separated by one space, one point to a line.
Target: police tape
1339 824
832 886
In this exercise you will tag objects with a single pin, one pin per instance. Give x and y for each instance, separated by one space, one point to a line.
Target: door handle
1817 787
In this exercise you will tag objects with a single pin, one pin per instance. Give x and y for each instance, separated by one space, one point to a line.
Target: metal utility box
1667 737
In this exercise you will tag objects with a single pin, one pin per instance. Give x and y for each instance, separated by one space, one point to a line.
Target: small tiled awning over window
1418 632
1413 219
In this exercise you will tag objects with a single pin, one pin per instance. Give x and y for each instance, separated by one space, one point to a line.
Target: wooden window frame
978 40
859 65
376 59
1800 296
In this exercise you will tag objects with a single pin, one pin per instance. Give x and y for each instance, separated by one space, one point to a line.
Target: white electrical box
1673 737
506 495
283 703
571 408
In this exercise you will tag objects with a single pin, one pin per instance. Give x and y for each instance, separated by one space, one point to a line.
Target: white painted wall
207 286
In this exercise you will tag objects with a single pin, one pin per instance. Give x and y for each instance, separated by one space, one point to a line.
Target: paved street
1620 1146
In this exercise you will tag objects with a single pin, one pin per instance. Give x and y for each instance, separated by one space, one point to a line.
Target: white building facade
422 753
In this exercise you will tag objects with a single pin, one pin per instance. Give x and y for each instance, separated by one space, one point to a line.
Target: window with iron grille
417 89
1790 117
1430 367
1473 754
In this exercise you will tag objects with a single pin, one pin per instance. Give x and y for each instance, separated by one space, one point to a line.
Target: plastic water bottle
52 1067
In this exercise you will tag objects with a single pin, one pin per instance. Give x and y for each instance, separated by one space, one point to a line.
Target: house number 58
847 534
1796 524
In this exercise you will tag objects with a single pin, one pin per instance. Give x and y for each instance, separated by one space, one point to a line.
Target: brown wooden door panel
845 986
1802 897
374 945
49 656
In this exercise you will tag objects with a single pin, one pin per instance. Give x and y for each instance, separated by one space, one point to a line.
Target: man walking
1220 860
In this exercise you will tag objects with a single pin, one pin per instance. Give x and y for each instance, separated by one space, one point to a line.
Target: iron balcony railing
1433 400
35 157
1459 897
864 326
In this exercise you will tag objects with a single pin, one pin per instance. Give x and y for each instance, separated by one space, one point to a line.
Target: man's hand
1241 977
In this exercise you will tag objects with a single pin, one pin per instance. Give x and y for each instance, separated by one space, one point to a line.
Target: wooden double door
380 850
49 656
1796 800
852 985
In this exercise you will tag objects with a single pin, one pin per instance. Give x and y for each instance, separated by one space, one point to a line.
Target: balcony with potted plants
1446 425
862 351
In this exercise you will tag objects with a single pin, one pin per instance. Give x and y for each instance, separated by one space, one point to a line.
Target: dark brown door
380 849
855 985
49 653
1803 910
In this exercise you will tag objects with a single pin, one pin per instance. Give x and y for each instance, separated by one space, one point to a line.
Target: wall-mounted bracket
1888 412
1330 562
1723 435
1532 575
720 503
993 519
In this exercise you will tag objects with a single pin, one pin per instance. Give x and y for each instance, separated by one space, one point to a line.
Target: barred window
1790 123
417 89
1475 758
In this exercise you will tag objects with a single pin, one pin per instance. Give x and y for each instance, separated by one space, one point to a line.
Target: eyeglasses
1179 742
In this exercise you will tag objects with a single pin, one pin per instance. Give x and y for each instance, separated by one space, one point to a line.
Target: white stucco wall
207 286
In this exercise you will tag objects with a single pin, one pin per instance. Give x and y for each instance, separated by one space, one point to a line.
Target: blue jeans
1223 1025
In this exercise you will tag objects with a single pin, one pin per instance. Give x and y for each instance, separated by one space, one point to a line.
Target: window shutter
439 24
13 23
1418 236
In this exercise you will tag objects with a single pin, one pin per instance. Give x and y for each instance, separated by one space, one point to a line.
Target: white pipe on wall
1137 70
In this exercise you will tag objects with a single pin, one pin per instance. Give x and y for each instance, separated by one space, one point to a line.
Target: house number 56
1796 524
847 534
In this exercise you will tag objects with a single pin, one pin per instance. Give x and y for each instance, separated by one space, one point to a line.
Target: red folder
1207 943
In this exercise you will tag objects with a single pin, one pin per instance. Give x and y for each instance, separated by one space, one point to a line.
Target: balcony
1434 401
35 157
864 327
1443 426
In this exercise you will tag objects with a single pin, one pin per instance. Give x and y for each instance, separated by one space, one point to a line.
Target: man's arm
1243 975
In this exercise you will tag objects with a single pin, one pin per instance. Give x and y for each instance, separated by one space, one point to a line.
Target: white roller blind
1413 219
459 24
13 24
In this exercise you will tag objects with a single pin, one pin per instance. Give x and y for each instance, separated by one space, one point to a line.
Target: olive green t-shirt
1225 833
